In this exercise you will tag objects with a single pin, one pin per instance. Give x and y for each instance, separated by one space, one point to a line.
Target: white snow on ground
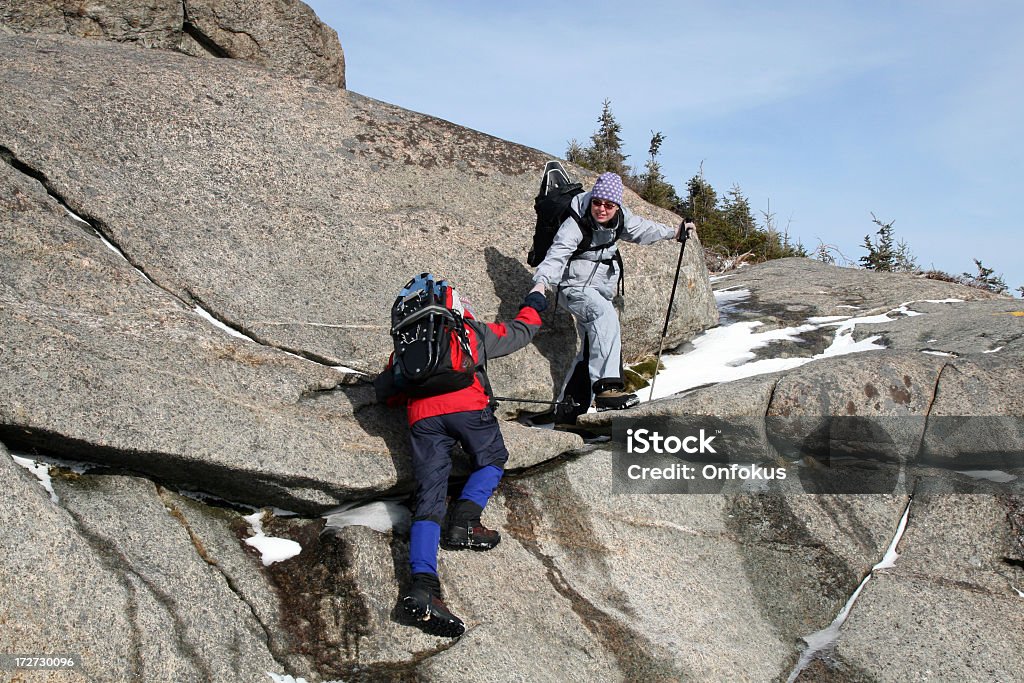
940 353
272 549
727 298
208 317
821 320
725 353
347 371
108 243
1019 592
721 355
889 560
825 638
41 471
380 515
998 348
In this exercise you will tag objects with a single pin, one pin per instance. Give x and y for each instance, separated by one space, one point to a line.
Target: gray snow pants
597 323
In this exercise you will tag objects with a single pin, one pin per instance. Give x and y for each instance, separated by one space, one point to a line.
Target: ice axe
685 235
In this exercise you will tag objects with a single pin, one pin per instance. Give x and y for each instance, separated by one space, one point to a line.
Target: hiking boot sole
468 545
432 621
458 538
628 404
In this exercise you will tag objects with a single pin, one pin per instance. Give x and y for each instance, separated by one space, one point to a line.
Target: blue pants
432 440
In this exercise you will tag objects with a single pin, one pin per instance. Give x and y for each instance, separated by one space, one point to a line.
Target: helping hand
536 301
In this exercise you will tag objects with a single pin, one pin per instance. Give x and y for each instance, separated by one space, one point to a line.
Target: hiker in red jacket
436 423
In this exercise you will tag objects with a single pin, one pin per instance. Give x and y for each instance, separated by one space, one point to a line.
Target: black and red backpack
432 351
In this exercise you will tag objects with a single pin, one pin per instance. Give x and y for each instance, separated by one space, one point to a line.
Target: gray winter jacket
593 268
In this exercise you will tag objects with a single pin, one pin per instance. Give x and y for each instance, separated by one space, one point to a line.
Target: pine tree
576 154
607 145
651 184
605 150
881 251
884 254
737 213
985 279
701 200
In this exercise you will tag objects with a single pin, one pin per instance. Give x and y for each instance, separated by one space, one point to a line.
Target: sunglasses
607 206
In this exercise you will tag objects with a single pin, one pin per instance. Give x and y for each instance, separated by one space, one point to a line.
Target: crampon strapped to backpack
552 205
432 352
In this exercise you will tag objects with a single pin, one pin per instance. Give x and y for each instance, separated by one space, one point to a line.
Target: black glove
684 230
536 301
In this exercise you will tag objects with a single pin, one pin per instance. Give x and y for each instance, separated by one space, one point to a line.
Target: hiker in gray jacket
586 276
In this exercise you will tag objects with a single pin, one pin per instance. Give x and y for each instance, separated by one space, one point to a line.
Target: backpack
553 205
432 351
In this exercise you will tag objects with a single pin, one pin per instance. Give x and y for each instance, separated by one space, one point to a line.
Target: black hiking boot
464 529
423 604
613 399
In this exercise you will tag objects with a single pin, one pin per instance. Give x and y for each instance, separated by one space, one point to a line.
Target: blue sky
826 112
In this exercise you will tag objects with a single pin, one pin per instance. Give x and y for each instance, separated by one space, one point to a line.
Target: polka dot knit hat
609 187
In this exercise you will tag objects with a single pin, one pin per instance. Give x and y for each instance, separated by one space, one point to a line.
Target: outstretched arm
501 339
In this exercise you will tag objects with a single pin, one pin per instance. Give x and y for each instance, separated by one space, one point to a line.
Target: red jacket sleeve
501 339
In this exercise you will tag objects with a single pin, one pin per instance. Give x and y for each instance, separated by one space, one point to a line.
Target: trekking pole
568 403
671 300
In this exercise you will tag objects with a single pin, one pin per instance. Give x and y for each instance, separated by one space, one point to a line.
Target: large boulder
152 24
295 212
583 585
943 394
216 205
933 613
279 34
197 262
791 290
100 364
284 35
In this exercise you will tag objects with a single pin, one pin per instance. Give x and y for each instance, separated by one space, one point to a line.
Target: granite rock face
940 392
140 214
196 266
283 35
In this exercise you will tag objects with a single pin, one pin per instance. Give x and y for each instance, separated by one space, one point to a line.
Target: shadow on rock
512 281
389 424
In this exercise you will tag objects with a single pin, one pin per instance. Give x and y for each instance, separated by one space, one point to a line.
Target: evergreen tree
701 200
576 154
884 254
736 212
606 147
605 150
651 184
728 229
985 279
